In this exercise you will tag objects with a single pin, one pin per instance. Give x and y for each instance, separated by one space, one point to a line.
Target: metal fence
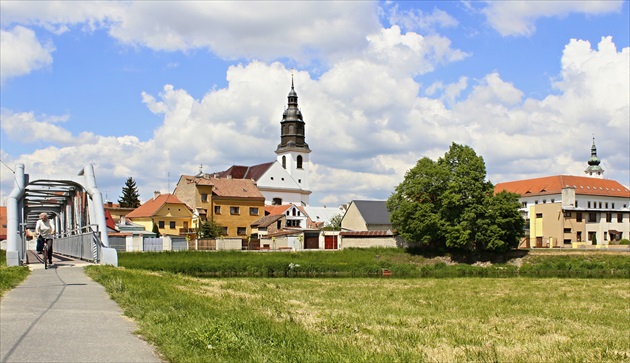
85 246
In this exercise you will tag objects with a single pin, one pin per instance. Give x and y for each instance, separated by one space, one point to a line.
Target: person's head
43 216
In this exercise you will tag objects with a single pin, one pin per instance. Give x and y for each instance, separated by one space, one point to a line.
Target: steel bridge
75 206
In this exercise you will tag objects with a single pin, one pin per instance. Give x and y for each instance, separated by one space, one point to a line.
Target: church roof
554 184
254 172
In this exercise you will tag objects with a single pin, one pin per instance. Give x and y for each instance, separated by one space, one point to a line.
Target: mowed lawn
375 319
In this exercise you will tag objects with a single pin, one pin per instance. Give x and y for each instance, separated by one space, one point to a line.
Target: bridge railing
84 243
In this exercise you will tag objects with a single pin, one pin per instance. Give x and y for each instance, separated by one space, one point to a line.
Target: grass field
10 277
374 319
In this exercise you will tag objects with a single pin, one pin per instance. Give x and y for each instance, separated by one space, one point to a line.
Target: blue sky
152 90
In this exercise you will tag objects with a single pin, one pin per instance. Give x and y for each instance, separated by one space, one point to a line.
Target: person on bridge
46 229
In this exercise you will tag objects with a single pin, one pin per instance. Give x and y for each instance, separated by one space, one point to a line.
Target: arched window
291 128
299 162
284 161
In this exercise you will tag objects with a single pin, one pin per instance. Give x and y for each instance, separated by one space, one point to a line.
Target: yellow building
165 211
234 204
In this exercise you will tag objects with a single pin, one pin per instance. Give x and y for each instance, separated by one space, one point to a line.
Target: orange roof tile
149 208
554 184
228 187
276 209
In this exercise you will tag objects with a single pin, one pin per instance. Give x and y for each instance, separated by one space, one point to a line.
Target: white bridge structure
75 206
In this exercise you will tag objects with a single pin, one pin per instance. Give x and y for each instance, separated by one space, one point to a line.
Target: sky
158 89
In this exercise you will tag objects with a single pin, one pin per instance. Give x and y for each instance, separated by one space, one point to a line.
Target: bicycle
45 254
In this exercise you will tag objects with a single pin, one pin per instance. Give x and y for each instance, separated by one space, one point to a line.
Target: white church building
285 180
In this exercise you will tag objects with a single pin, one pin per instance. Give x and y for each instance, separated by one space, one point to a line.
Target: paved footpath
61 315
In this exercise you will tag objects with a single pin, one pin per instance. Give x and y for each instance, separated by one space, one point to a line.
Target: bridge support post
15 252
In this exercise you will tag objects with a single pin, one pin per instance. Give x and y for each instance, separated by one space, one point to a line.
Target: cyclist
46 229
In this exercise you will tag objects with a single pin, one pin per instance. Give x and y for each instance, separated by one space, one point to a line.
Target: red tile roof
246 172
554 184
151 207
228 187
273 210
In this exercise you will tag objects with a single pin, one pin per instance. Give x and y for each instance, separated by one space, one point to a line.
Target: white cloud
518 18
22 53
417 20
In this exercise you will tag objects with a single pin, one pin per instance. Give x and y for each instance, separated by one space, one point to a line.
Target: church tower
293 151
594 170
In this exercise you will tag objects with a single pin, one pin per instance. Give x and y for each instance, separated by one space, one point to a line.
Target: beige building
234 204
566 211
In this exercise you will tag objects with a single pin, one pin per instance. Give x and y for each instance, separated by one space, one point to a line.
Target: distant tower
293 151
594 170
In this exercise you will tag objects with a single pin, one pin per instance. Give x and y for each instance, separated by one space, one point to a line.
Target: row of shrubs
371 263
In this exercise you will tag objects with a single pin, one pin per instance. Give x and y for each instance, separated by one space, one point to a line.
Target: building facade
165 211
233 204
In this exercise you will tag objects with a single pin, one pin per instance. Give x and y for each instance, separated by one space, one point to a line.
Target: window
224 231
185 224
544 201
608 217
204 198
619 217
578 217
567 214
241 231
606 205
284 161
278 224
567 230
253 211
538 215
171 225
592 217
612 205
161 224
605 236
591 235
299 162
536 202
276 201
524 204
217 209
579 236
588 204
576 204
600 205
235 210
553 200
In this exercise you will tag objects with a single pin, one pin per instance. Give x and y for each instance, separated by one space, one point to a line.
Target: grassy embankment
10 277
366 319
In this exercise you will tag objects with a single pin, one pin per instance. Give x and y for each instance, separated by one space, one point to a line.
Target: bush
624 241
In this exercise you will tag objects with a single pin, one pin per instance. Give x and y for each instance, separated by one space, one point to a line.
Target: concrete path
61 315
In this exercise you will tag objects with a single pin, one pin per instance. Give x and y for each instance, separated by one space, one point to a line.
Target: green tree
156 230
209 229
334 224
130 197
448 204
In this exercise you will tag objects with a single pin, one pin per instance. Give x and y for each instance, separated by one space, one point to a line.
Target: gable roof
373 211
554 184
227 187
266 221
151 207
253 172
277 209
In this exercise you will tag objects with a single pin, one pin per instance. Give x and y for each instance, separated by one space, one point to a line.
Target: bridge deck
71 313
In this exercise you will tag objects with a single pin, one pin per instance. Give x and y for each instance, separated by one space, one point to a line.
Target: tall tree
130 197
448 204
334 224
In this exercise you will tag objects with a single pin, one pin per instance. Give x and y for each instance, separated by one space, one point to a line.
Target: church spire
594 169
292 135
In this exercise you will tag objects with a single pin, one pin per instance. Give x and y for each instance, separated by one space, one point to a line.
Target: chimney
156 194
